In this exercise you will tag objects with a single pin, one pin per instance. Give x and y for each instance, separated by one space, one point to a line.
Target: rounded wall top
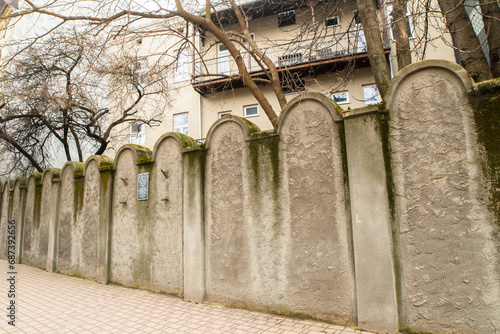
37 177
427 64
246 126
76 166
182 140
142 153
103 162
21 182
8 186
55 173
329 104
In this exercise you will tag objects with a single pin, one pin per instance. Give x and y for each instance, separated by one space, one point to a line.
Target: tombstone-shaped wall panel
90 246
32 219
448 258
17 215
317 256
67 260
4 219
48 215
130 261
229 274
166 225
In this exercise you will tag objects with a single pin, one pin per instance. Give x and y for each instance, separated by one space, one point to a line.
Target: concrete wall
382 217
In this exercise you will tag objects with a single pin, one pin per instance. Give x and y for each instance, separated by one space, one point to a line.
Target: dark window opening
332 21
286 18
293 83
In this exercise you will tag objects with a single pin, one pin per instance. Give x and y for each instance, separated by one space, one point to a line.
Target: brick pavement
55 303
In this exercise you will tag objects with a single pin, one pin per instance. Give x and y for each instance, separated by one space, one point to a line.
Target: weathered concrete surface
4 218
228 268
17 214
317 259
371 223
93 219
47 234
449 261
130 261
269 243
298 219
30 252
68 247
166 220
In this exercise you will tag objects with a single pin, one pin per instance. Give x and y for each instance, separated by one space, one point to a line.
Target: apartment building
317 46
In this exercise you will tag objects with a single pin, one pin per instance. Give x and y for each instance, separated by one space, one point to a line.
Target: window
181 72
290 59
251 111
224 113
181 123
222 59
371 95
341 98
286 18
332 22
293 83
138 133
252 36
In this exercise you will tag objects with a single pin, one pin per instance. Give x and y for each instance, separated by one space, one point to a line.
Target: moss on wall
486 107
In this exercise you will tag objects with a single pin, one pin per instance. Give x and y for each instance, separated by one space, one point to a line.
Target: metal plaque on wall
143 187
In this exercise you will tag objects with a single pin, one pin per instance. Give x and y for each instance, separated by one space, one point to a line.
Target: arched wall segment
331 106
461 76
17 214
68 232
48 218
230 273
7 196
317 242
130 261
165 220
30 252
444 229
93 219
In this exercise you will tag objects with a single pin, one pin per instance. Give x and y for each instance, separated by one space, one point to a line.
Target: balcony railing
286 55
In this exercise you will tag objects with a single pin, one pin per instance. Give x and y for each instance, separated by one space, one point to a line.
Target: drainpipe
199 116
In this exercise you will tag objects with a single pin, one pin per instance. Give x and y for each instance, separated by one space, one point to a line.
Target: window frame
176 128
245 108
180 73
368 102
287 17
137 137
224 113
337 17
347 101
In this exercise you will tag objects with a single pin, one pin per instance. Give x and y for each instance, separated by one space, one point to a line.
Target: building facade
316 47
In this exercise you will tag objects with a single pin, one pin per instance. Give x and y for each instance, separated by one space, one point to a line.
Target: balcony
305 57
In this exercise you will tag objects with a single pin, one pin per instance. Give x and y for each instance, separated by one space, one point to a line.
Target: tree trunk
465 39
236 55
402 27
491 18
367 12
274 76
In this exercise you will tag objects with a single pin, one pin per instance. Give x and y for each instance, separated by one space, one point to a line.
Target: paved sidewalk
53 303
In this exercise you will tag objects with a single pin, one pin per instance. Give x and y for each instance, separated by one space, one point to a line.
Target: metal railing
286 55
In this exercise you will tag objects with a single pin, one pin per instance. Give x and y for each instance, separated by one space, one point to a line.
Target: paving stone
54 303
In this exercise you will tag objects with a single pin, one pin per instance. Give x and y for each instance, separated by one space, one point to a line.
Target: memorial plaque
143 187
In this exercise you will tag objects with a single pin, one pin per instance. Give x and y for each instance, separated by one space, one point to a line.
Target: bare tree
56 96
